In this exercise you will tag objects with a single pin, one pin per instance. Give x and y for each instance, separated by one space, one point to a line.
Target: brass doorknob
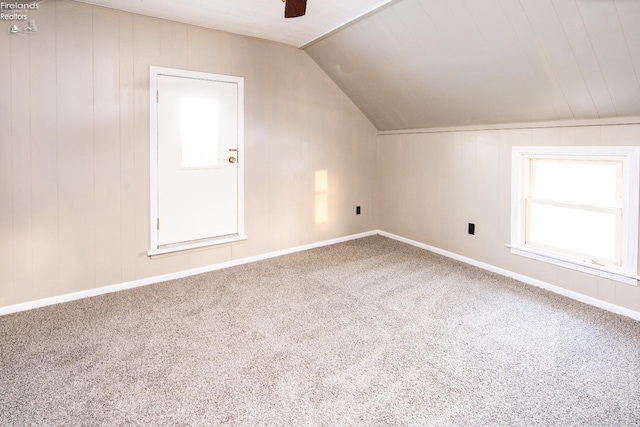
232 159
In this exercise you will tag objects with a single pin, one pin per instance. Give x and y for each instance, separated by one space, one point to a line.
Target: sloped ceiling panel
438 63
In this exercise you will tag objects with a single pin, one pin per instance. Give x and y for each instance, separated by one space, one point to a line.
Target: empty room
430 214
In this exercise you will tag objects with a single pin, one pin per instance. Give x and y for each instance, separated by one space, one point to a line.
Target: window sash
617 210
619 162
579 256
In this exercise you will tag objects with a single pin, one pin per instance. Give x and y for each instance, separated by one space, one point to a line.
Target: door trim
154 72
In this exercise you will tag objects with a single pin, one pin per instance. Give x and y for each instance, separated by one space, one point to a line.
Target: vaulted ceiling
412 64
436 63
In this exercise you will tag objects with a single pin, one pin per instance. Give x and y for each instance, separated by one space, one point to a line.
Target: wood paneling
486 192
6 179
547 84
629 15
106 140
44 154
21 167
146 52
430 63
74 155
128 250
76 150
612 51
214 51
473 175
553 44
578 38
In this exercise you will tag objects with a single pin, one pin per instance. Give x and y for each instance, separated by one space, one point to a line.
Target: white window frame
627 271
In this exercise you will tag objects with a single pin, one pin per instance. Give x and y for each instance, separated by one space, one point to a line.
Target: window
577 207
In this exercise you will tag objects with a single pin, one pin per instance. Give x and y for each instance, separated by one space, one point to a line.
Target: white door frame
153 131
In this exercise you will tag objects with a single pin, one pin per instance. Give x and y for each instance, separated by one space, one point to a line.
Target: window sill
601 271
195 245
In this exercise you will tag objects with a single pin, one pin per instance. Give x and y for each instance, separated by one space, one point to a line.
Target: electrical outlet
472 229
357 210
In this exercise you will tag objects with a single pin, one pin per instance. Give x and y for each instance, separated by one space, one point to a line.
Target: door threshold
196 245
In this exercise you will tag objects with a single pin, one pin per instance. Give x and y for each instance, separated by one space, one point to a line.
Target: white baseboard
186 273
525 279
171 276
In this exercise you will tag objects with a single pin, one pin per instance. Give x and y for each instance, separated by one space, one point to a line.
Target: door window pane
199 131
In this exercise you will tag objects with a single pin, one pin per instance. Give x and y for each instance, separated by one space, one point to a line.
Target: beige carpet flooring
370 332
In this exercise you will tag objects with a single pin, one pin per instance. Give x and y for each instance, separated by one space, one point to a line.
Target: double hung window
577 207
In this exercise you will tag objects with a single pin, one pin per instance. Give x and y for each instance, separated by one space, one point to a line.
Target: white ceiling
258 18
436 63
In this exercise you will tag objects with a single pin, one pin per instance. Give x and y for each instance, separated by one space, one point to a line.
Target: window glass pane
199 131
576 181
585 232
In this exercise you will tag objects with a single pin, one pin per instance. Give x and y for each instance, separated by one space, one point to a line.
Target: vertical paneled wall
433 184
74 148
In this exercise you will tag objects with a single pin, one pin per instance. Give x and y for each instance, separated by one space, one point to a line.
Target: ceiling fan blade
295 8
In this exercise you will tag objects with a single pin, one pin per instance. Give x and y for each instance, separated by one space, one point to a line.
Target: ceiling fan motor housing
294 8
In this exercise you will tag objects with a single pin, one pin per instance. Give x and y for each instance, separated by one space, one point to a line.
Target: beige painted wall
74 148
432 185
74 168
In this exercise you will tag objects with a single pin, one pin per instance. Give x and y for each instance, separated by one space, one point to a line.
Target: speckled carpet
369 332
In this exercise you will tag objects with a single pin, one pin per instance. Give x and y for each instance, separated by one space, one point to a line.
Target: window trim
628 271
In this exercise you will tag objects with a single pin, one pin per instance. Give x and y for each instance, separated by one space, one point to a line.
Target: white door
197 159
